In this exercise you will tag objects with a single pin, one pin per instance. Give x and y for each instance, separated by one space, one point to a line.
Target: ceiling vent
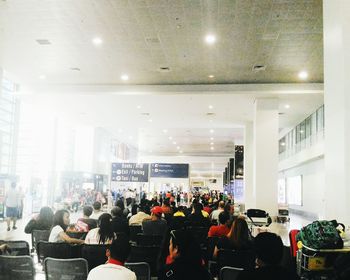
145 114
210 114
281 114
74 69
164 69
43 42
258 68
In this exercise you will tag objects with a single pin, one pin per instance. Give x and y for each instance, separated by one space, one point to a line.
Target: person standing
12 202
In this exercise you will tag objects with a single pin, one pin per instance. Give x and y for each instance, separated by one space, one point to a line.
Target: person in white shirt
97 210
114 268
12 202
136 220
103 234
60 224
215 214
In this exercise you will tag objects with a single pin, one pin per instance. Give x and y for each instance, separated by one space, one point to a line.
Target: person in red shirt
222 229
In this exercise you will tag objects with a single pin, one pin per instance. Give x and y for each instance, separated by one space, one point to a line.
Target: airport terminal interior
174 139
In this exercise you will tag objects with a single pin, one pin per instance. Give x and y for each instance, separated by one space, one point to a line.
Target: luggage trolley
257 218
317 263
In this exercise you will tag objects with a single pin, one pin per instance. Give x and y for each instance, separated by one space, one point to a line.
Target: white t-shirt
96 215
93 237
12 198
55 234
215 214
111 271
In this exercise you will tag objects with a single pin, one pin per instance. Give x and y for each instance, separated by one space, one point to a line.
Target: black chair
141 269
16 268
39 235
72 269
229 273
18 247
148 254
211 243
134 230
200 234
148 240
94 254
57 250
236 258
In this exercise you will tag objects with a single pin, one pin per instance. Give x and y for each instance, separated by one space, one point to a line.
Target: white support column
336 26
249 193
266 154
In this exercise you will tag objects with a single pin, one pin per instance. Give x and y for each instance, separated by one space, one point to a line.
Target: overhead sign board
169 170
129 172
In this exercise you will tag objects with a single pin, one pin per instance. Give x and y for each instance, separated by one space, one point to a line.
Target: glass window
294 190
320 118
302 131
282 145
282 191
308 127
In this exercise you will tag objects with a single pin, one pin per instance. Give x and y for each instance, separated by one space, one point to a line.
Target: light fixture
210 39
211 148
174 143
211 143
150 120
211 138
301 131
42 77
303 75
210 107
124 77
165 130
170 138
97 41
211 76
178 147
287 106
283 144
180 152
138 106
211 131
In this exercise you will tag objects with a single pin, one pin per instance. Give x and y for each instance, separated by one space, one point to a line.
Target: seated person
187 261
197 219
136 219
119 222
114 268
43 221
223 229
85 223
58 231
97 210
156 225
215 214
4 248
238 238
269 250
103 234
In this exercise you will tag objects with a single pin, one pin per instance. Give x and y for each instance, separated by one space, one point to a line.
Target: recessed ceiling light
211 131
97 41
210 107
211 148
301 131
178 147
174 143
170 138
211 138
150 120
212 143
210 39
124 77
303 75
42 77
287 106
165 130
211 76
283 144
138 106
180 152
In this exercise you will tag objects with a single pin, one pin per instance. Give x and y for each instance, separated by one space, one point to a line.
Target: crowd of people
180 256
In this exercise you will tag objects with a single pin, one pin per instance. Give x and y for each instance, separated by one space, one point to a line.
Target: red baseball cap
157 210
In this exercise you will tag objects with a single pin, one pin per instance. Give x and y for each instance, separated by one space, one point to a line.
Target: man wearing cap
156 225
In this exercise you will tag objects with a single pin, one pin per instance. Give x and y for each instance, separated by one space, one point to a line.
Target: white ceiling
139 37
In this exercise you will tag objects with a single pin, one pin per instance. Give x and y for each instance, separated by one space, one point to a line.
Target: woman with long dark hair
186 253
59 227
239 237
43 221
104 233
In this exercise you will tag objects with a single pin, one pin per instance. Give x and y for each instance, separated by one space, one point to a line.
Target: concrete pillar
249 194
265 163
336 26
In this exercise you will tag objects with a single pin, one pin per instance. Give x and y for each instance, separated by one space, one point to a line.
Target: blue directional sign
129 172
169 170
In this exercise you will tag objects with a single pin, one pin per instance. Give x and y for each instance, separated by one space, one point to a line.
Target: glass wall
307 133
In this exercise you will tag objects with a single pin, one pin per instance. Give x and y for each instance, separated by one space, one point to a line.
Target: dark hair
187 246
227 207
134 209
221 204
46 216
239 233
105 228
120 204
197 209
58 219
223 217
120 248
97 205
268 248
87 210
116 211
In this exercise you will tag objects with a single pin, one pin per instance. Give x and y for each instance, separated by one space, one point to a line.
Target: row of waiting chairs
22 268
